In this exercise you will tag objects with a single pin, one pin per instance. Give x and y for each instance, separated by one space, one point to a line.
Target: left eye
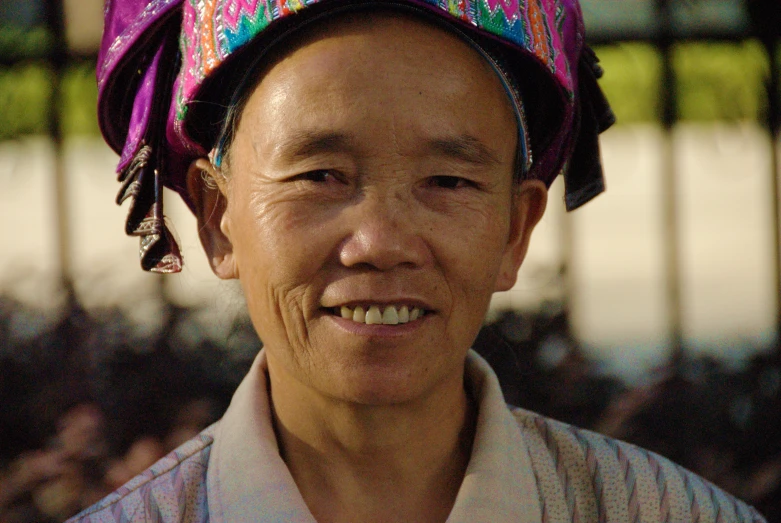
319 176
450 182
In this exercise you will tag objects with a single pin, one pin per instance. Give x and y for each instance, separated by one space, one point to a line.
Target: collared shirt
524 468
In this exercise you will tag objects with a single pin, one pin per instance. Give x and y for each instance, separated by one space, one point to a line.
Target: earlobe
529 202
207 191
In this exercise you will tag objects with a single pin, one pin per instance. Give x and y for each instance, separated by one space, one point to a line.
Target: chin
382 396
384 386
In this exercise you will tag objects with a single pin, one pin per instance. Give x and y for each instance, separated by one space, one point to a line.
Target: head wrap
169 69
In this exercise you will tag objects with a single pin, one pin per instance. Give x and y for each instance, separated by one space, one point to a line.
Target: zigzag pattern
695 505
235 11
173 486
631 482
661 483
561 468
594 466
510 8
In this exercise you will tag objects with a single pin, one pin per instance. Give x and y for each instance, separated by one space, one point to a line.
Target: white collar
247 480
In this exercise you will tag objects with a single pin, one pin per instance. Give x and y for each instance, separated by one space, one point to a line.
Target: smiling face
371 181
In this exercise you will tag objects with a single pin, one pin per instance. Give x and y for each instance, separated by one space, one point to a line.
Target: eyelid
460 180
313 173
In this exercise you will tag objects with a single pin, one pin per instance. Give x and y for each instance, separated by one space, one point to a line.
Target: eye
450 182
320 176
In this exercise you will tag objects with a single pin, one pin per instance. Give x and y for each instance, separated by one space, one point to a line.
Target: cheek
472 251
270 232
275 256
282 246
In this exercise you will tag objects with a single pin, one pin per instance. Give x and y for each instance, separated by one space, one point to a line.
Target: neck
353 462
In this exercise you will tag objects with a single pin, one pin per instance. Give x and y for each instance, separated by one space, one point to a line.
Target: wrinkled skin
373 163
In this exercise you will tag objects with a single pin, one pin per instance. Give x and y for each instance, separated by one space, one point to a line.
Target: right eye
450 182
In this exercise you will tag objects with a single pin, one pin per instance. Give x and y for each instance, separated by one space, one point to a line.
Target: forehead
364 68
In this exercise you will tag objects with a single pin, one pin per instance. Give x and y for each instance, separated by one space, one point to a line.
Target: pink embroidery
510 8
233 10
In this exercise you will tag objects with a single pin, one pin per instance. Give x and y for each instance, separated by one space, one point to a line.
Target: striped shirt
524 468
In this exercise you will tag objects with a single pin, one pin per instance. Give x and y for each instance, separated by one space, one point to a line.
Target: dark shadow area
89 400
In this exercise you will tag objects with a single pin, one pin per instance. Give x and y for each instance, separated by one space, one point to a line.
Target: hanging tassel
143 175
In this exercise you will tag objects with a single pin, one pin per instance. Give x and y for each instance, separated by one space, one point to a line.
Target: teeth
391 315
374 316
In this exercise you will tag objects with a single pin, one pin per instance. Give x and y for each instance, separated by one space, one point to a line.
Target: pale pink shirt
247 480
524 468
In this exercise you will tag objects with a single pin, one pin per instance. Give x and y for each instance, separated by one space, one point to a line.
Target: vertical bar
55 20
669 116
774 127
74 326
566 265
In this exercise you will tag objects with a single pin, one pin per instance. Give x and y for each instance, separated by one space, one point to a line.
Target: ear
207 189
529 201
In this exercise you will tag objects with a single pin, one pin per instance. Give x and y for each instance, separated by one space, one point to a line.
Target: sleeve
587 476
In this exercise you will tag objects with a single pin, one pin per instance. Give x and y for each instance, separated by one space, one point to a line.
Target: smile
375 315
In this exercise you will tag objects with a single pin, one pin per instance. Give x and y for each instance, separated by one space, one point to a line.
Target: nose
384 234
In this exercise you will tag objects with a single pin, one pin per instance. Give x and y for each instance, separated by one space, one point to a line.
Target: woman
371 172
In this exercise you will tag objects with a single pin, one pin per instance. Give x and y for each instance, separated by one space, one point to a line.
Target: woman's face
373 168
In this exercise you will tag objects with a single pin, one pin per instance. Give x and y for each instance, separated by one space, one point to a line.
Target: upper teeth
390 315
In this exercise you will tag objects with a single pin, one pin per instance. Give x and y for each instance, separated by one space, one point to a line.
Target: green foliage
631 80
719 81
25 91
715 81
25 96
80 100
19 42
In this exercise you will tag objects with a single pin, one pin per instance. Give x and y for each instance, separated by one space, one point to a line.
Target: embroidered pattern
509 7
240 20
212 30
463 9
540 32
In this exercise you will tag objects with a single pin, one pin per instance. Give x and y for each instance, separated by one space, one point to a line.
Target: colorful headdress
168 68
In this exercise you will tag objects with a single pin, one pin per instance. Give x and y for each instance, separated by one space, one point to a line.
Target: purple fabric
139 119
128 26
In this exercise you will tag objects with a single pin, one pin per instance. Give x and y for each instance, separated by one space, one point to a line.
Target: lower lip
379 331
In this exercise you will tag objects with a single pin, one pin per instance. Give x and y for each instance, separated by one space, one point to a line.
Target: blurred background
652 314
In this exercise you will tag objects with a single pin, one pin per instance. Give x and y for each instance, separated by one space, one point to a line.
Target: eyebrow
305 144
464 148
